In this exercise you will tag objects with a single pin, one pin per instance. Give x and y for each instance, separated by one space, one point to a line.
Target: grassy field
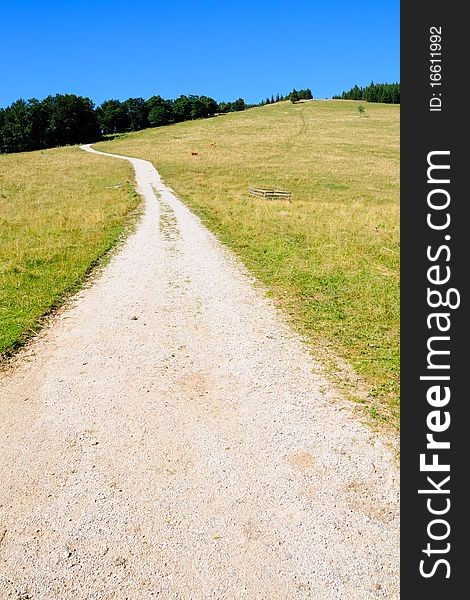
60 211
331 256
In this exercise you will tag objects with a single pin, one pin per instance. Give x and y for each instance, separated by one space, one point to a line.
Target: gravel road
168 436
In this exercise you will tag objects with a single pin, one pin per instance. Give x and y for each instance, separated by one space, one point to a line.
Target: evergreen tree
294 96
374 92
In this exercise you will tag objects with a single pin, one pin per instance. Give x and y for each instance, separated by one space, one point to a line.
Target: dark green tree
374 92
197 110
239 104
160 111
71 119
16 130
2 121
294 96
137 113
210 106
182 108
113 116
39 116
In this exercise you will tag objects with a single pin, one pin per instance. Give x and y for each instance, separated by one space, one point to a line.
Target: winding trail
169 437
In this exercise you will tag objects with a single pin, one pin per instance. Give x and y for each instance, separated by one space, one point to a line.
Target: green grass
60 211
331 256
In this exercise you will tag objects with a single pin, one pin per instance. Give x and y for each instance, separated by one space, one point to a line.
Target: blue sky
114 49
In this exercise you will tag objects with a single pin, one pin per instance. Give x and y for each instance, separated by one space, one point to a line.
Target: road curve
169 437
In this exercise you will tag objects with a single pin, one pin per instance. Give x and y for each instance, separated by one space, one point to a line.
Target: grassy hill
331 256
60 211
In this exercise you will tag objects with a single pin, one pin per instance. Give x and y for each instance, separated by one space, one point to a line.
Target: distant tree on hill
370 93
182 109
16 128
239 104
388 93
294 96
39 115
2 123
202 107
160 111
137 113
70 119
297 95
113 116
197 110
210 106
55 121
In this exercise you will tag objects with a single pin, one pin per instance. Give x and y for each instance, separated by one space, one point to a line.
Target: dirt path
168 437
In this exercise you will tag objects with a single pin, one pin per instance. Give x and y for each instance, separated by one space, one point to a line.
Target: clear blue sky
114 49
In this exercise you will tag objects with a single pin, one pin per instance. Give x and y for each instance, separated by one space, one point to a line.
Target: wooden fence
268 193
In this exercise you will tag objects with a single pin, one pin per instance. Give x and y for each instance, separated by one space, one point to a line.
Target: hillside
331 256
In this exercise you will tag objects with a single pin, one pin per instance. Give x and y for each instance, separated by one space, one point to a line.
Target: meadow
61 210
329 258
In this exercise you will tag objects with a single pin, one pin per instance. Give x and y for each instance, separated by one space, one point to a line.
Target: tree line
70 119
134 114
54 121
388 93
293 96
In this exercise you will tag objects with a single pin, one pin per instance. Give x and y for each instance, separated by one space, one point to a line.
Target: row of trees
133 114
70 119
294 96
388 93
54 121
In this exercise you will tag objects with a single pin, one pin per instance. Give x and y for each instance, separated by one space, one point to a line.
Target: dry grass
60 211
331 257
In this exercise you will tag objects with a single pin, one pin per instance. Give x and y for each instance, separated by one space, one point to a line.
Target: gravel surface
168 436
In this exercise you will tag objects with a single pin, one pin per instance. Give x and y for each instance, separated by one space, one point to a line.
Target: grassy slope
60 210
331 257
